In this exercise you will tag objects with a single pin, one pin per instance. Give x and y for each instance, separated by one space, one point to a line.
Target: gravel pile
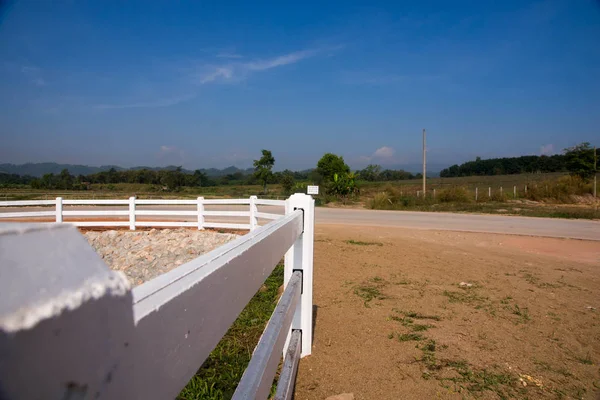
144 255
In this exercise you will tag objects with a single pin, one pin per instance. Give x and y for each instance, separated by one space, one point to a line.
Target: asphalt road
550 227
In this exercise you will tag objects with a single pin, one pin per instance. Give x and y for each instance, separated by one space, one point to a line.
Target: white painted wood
29 214
227 213
489 192
182 213
300 257
476 193
253 211
258 377
226 201
289 369
200 211
267 215
165 202
94 213
268 202
22 203
180 316
97 202
226 225
132 213
66 320
59 209
515 192
167 223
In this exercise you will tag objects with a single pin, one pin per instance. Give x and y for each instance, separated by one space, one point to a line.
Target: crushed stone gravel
144 255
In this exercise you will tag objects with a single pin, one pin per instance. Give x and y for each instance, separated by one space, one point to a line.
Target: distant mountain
39 169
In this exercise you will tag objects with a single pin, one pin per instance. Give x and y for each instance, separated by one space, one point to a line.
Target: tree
371 173
287 181
580 160
343 185
263 167
331 164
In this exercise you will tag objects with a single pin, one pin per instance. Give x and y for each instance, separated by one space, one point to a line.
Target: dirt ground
393 321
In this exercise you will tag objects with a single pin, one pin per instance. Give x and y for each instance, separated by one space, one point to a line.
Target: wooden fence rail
132 212
71 328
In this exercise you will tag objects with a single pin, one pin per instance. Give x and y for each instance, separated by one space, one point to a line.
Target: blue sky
209 84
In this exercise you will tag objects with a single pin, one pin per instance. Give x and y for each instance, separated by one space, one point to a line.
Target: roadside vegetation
556 186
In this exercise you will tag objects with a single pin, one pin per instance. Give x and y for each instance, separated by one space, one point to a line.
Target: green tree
580 160
343 185
287 181
331 164
263 168
371 173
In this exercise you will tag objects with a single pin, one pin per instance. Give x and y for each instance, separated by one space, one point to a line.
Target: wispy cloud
237 71
279 61
163 102
226 54
547 149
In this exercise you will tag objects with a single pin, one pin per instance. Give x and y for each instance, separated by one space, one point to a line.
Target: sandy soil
392 320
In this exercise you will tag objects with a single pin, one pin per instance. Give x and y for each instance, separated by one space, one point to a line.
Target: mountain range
39 169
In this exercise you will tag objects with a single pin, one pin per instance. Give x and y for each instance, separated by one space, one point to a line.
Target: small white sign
312 190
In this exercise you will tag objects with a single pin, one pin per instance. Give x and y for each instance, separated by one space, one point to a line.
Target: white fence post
253 211
515 192
59 209
132 213
489 192
476 194
200 213
300 257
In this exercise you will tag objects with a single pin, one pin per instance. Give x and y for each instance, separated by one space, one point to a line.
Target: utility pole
424 165
595 175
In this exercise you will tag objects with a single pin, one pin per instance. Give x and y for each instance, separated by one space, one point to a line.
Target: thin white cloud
238 71
547 149
279 61
171 155
222 73
384 152
165 102
226 54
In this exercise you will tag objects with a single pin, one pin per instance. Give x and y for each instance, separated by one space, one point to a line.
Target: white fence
75 329
122 216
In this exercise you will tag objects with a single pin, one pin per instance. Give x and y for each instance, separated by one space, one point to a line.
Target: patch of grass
407 337
360 243
220 374
391 335
416 315
523 313
368 293
587 360
506 300
420 327
377 279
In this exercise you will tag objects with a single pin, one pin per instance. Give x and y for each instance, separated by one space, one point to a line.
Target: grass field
547 195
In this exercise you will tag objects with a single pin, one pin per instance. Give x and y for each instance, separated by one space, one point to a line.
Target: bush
454 195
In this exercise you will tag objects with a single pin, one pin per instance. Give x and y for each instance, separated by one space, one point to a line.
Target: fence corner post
200 213
59 209
132 213
300 257
253 211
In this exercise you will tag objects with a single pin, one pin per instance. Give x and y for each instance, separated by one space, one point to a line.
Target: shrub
454 195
